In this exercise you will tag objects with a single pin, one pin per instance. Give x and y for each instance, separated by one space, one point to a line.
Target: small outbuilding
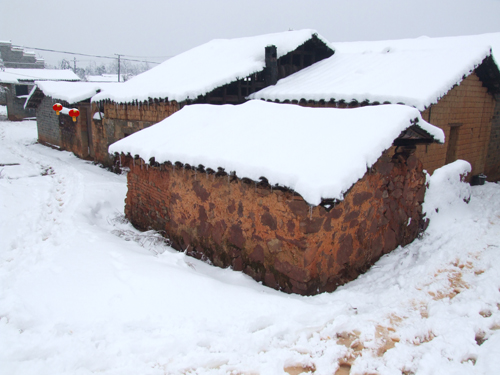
454 82
302 199
18 84
222 71
61 131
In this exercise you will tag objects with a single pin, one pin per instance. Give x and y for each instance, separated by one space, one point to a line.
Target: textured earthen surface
121 120
274 235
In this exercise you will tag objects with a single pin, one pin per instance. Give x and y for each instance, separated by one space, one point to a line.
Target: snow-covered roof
318 152
72 92
15 75
106 78
206 67
417 72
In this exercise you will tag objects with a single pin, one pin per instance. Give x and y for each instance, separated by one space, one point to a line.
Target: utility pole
118 66
74 65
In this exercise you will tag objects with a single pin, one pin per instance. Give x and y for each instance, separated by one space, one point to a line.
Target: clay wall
492 168
470 107
74 135
274 235
121 120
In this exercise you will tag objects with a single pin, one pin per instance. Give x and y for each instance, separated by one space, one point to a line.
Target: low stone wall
274 235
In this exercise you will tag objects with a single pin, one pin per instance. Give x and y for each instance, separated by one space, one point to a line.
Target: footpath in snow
83 292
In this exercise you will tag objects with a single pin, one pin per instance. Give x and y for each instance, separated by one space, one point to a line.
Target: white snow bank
204 68
318 152
447 188
79 299
15 75
416 72
98 116
72 92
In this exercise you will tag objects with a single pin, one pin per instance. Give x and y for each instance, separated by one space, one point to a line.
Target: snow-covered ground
82 292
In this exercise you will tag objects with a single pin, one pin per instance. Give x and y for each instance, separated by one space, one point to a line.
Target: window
21 90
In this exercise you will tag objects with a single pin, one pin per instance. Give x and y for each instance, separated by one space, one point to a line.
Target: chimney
271 70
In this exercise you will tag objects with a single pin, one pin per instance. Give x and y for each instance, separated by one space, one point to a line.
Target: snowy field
82 292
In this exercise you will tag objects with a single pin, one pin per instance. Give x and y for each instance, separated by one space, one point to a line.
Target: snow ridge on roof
16 75
206 67
318 152
416 72
72 92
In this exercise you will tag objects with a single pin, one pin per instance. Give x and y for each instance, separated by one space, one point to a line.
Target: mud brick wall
121 120
492 168
74 135
274 235
470 105
47 123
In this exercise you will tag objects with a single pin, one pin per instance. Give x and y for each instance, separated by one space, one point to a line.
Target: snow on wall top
15 75
416 72
206 67
72 92
318 152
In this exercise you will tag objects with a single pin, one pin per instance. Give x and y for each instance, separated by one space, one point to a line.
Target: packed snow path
83 292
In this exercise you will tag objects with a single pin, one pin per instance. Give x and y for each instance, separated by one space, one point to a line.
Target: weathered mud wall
274 235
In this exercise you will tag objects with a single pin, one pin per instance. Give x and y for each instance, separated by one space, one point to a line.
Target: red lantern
74 113
57 107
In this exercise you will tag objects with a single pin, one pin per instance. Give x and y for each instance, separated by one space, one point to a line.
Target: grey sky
163 28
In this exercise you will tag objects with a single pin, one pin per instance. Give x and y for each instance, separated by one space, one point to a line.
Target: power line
150 57
83 54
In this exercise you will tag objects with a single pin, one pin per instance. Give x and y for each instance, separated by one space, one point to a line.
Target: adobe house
302 199
223 71
61 131
19 83
454 82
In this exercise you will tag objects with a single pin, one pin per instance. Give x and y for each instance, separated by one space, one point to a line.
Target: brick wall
121 120
74 136
492 168
48 123
470 105
274 235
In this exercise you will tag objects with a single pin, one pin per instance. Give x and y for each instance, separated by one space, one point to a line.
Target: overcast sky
165 28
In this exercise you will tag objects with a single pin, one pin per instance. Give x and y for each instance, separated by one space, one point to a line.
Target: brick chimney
271 71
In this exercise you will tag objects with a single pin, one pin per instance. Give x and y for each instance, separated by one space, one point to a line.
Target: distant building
14 57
